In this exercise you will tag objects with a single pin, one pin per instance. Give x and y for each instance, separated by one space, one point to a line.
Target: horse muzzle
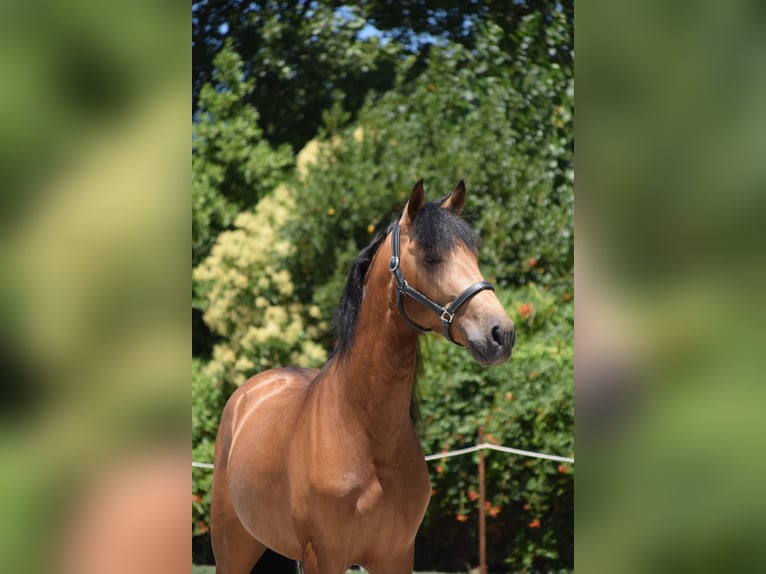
496 345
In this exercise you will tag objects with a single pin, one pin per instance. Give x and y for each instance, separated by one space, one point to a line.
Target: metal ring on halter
446 314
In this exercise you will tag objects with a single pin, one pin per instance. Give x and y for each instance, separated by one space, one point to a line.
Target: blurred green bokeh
670 270
73 68
93 259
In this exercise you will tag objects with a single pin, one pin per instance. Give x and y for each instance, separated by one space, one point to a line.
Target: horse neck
377 375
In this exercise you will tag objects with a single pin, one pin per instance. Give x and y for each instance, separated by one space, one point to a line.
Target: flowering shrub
250 297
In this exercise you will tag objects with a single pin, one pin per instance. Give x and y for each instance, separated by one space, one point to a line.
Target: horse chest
393 498
388 512
370 499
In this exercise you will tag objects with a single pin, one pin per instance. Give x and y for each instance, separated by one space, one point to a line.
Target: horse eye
432 259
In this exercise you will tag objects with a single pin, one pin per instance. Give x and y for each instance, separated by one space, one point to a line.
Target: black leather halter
446 314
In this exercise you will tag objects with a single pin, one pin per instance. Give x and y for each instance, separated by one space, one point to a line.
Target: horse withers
325 466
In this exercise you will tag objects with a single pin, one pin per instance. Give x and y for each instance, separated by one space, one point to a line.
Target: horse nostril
498 336
503 338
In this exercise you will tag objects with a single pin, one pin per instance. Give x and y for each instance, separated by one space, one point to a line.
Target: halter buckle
446 317
393 264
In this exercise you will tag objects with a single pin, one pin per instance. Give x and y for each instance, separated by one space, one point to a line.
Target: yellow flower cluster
251 296
315 150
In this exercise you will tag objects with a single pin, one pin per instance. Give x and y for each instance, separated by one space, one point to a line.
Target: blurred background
323 116
671 190
94 185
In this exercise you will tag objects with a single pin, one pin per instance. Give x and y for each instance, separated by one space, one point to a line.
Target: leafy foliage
458 21
305 56
469 115
527 403
208 399
232 164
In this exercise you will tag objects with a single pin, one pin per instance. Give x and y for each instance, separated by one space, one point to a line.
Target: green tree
233 166
460 21
305 56
527 403
503 125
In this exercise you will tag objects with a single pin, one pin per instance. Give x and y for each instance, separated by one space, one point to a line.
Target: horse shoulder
270 392
263 414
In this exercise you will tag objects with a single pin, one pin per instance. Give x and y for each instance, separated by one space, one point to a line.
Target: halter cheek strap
446 314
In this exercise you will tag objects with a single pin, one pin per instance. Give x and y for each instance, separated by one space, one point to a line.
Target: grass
211 570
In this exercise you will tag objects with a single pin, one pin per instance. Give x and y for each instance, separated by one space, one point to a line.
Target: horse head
439 285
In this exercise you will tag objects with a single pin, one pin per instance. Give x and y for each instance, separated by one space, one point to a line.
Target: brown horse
326 466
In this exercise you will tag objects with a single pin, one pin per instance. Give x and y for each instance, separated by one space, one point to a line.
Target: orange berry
526 310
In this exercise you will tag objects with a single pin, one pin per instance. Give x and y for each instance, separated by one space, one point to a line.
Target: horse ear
455 200
415 204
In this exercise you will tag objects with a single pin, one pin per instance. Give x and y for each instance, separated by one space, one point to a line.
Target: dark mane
439 231
347 313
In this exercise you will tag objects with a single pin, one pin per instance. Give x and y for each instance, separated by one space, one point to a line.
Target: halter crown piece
446 314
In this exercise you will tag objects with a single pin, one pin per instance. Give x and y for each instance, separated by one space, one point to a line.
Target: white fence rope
457 452
460 451
490 446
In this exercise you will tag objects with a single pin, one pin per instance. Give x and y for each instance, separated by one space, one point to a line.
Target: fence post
482 516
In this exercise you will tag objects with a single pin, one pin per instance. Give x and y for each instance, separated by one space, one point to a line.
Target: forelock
438 230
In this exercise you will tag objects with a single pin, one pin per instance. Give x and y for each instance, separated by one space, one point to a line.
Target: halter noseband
446 314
